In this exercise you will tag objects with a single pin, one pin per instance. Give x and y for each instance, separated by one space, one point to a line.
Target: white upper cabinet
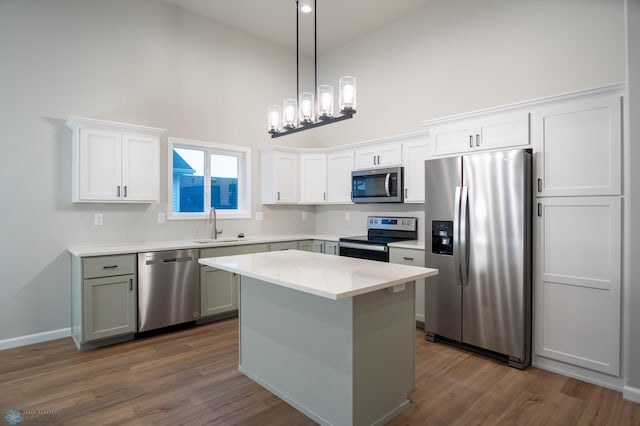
376 155
579 147
339 167
491 131
140 167
114 162
279 176
313 178
415 151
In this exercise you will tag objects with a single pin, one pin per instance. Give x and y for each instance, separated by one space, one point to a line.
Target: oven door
364 251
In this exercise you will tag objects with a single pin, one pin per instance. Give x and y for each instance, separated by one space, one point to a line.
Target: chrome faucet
214 228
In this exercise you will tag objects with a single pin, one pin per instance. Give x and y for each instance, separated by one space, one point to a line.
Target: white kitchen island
333 336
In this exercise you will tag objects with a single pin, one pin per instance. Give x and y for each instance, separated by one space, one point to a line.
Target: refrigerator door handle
463 251
456 236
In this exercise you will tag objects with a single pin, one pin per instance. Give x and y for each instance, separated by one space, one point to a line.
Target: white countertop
141 247
333 277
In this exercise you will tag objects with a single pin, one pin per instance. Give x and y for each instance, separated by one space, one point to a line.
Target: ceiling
274 20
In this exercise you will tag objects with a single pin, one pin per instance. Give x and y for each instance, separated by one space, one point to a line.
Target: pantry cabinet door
577 281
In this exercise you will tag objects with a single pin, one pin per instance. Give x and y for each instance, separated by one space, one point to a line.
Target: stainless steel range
381 231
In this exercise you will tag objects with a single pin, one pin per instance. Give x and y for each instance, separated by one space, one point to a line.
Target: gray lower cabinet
305 245
414 257
319 246
104 292
331 247
284 245
218 288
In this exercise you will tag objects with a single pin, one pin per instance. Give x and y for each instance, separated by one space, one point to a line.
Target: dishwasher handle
169 260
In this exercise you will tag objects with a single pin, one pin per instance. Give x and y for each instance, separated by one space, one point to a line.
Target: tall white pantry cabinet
578 232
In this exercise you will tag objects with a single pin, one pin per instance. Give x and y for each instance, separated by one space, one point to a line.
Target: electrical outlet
347 215
259 216
98 219
304 215
161 217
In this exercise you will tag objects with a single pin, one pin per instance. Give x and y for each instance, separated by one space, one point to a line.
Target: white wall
135 61
463 55
632 305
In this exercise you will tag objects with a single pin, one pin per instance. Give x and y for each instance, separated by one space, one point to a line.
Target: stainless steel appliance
478 223
168 288
380 232
378 185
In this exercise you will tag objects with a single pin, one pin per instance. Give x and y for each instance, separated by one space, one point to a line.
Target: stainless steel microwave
378 185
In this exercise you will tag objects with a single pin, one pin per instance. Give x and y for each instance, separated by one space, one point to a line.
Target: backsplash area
350 220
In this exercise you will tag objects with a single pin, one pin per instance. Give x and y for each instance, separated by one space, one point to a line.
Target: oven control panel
392 223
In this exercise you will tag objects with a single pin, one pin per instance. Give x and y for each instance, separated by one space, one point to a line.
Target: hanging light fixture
308 111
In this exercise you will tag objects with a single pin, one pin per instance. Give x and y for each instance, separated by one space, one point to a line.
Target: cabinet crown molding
75 122
531 103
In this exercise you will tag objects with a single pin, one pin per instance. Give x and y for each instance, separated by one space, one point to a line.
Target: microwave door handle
386 184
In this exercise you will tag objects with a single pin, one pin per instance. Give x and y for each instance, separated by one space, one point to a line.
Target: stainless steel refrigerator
478 234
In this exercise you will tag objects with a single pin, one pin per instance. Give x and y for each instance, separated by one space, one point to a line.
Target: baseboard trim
15 342
631 393
589 376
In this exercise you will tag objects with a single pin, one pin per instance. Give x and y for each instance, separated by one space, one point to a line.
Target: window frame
244 178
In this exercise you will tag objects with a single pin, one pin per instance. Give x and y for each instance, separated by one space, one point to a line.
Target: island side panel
384 354
298 346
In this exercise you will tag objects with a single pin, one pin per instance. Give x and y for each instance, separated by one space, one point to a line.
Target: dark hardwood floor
190 377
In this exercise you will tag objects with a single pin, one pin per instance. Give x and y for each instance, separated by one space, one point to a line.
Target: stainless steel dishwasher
168 288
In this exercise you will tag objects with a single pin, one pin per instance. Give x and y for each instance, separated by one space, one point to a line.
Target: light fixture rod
297 58
315 45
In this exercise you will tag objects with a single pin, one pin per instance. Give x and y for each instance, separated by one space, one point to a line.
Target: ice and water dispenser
442 237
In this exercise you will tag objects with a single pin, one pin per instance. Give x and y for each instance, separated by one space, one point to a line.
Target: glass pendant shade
325 101
274 114
307 108
347 97
289 119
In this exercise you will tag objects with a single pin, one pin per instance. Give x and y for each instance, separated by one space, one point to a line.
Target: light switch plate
304 215
98 219
347 215
259 216
161 217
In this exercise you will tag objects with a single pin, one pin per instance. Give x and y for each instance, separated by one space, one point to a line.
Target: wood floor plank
191 377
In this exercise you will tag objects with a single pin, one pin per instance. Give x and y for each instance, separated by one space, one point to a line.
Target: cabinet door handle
335 249
470 141
374 160
110 267
408 258
125 191
539 185
278 195
378 160
406 193
477 139
130 284
118 191
539 210
324 196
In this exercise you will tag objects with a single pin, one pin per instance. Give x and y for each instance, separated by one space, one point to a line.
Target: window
205 175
